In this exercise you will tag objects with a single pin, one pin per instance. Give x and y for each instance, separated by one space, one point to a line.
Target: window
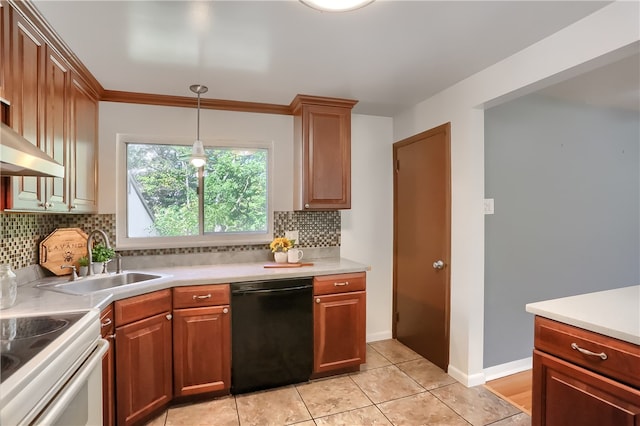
164 206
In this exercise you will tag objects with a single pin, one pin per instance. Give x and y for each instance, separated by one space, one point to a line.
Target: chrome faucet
90 247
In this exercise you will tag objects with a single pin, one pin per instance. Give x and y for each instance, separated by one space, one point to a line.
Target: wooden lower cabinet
583 378
566 394
107 329
339 326
143 356
201 350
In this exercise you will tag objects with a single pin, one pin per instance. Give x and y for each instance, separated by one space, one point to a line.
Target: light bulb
198 159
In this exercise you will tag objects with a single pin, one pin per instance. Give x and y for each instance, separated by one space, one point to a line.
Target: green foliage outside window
235 189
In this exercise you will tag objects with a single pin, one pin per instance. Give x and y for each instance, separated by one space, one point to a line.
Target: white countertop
614 313
32 300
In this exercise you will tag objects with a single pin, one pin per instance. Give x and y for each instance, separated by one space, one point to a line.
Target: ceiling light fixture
198 158
336 5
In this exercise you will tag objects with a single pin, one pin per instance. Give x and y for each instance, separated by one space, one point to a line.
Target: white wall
159 121
367 229
606 35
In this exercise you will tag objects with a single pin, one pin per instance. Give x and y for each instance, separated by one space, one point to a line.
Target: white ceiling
389 55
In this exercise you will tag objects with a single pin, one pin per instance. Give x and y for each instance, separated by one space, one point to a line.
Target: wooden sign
64 246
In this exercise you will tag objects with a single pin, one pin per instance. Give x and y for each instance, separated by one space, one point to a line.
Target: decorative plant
83 261
102 253
281 244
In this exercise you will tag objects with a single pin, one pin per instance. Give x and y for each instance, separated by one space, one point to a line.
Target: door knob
438 264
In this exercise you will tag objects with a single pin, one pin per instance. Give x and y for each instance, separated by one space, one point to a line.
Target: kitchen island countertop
614 313
33 300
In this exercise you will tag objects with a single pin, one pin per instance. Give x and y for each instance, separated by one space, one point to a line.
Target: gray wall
566 184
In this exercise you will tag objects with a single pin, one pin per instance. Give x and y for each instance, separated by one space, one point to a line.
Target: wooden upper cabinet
4 51
56 131
83 149
322 153
27 105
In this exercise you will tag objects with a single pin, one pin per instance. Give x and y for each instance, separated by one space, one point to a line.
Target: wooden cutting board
286 265
64 246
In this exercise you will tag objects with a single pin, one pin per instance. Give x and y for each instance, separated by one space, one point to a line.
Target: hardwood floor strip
516 389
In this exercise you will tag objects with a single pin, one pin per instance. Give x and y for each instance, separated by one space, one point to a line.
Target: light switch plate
292 235
488 206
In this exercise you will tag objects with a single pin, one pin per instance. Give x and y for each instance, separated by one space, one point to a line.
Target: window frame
123 241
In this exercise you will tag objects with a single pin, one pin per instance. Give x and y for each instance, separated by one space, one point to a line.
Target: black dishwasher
271 333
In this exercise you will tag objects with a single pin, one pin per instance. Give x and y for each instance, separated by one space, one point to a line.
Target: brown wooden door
144 368
201 350
422 236
339 331
565 394
107 329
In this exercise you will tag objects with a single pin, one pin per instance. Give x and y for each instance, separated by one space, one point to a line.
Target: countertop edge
579 311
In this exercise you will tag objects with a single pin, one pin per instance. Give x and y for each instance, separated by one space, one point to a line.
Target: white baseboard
383 335
465 379
508 368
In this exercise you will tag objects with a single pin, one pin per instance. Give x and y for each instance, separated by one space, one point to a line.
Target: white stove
51 369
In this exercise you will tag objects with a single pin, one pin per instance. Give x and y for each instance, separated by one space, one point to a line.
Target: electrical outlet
292 235
488 206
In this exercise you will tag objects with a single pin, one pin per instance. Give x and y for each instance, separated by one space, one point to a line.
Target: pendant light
198 159
336 5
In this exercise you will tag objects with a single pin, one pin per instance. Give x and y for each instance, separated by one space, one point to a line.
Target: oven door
79 401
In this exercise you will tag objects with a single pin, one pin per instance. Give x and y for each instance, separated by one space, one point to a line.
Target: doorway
421 243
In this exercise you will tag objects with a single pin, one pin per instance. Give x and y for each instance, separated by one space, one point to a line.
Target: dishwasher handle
271 290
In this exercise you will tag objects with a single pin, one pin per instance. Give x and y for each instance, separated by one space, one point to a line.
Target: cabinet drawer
200 295
143 306
330 284
107 324
564 341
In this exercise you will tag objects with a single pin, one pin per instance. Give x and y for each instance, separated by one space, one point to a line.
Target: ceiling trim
191 102
29 12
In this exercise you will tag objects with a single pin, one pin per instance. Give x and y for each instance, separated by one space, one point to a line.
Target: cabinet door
56 138
107 328
565 394
27 109
83 149
339 331
326 157
143 360
201 350
4 51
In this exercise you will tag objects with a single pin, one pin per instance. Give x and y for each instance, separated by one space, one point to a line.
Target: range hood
19 157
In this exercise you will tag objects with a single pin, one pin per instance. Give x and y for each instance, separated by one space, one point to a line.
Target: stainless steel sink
99 283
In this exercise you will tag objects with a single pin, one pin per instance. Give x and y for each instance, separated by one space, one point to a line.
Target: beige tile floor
395 387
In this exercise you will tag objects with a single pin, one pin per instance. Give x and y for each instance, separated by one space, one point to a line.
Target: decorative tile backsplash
22 233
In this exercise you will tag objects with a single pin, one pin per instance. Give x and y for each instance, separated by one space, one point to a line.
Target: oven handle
80 377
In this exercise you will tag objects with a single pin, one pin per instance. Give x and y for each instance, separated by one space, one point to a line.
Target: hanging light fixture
198 159
336 5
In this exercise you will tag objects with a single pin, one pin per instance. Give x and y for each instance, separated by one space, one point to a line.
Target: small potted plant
83 263
100 255
279 247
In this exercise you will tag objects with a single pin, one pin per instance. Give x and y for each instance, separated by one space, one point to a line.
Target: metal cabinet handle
575 346
106 323
341 284
225 311
438 264
306 206
73 206
110 336
317 300
169 316
208 296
